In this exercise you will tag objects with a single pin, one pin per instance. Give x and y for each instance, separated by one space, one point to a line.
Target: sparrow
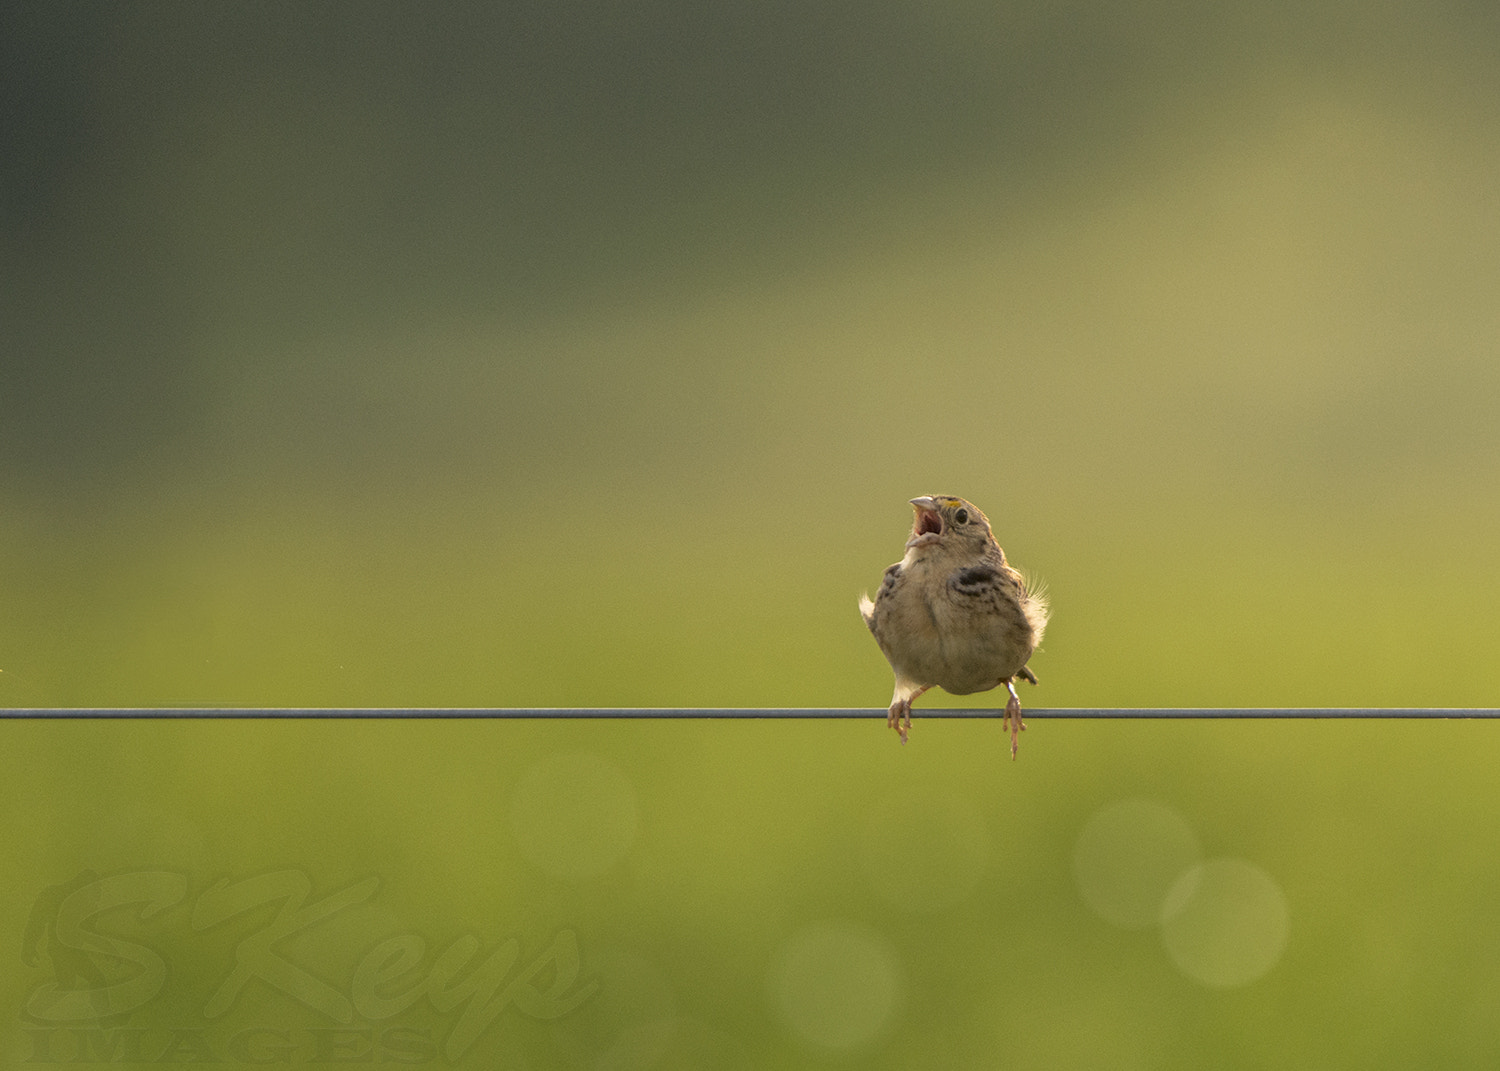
953 613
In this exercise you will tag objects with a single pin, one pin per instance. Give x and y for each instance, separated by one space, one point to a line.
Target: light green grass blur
1216 353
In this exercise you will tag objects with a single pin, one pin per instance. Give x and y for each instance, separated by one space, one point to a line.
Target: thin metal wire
727 713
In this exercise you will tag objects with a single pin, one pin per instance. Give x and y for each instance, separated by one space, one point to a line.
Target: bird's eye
962 516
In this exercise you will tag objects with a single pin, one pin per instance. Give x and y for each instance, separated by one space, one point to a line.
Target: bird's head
948 522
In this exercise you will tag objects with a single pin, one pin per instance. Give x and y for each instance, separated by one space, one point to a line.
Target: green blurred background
585 354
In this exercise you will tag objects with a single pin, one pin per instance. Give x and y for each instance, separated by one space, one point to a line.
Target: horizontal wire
728 713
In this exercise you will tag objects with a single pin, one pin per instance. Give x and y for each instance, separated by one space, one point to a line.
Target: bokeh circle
835 984
1128 857
1225 922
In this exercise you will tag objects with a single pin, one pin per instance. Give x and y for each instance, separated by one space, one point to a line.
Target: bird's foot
1012 719
900 717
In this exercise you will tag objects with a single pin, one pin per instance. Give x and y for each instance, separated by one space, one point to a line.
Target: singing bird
953 613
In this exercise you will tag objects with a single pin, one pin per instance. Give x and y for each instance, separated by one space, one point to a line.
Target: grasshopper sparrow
952 613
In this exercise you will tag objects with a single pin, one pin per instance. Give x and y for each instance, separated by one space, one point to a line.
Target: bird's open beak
928 526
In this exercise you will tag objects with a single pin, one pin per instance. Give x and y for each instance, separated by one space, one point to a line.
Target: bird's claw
899 718
1012 720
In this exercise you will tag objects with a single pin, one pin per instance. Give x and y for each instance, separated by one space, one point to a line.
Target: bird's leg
899 717
1013 718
